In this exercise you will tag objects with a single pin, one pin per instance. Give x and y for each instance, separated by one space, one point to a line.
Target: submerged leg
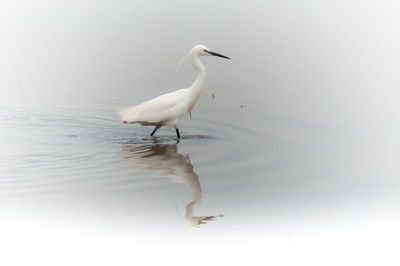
177 133
154 131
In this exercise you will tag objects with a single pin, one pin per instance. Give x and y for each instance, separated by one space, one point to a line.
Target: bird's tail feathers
121 113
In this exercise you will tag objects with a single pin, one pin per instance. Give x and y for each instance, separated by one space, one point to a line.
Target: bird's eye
205 50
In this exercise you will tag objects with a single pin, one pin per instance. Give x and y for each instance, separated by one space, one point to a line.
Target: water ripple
60 152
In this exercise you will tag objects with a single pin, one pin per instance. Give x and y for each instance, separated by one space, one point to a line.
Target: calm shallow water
276 180
229 166
63 157
294 157
235 172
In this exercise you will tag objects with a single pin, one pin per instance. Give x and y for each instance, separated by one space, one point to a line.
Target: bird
168 109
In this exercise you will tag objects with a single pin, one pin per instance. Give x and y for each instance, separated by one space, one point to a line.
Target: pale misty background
298 150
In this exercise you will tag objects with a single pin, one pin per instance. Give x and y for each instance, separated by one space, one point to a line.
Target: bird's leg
177 133
154 131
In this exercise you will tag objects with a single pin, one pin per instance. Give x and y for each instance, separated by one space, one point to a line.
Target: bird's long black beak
217 54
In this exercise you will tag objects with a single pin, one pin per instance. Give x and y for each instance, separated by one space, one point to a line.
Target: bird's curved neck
200 81
195 59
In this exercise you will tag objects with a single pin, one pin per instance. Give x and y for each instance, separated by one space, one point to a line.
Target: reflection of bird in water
164 160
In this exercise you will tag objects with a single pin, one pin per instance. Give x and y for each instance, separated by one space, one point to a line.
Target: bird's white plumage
168 109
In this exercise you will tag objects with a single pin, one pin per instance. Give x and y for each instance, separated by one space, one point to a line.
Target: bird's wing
166 107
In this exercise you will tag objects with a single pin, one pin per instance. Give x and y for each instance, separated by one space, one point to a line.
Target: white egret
168 109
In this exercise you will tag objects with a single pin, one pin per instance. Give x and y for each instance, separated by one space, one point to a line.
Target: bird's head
202 50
